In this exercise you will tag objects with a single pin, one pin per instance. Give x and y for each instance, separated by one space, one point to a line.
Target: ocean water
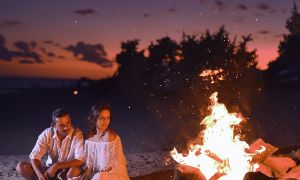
16 84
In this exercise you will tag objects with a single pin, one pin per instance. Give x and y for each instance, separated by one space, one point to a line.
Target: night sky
75 38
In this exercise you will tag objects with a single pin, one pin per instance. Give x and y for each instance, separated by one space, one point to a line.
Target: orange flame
222 152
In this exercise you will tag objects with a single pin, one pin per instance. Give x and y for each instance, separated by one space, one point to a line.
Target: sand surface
137 164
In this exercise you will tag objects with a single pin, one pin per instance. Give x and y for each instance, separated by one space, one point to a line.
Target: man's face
63 125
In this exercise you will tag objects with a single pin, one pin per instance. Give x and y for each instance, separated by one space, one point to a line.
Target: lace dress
106 159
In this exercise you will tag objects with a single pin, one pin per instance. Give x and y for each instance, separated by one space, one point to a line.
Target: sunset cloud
172 10
263 6
242 7
26 61
85 12
146 15
264 32
220 5
24 51
8 24
91 53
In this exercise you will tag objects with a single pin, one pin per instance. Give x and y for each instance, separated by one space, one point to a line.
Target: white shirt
106 156
58 151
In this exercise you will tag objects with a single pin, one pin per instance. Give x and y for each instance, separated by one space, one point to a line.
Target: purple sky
41 38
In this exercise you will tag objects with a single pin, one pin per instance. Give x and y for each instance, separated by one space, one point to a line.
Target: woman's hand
87 173
108 169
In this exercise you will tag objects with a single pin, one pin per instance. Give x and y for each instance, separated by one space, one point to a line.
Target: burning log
222 155
261 150
294 173
279 165
265 170
214 156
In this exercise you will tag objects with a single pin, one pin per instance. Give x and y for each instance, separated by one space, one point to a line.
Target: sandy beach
137 164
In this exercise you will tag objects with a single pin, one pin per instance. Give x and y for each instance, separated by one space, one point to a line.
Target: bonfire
221 152
223 155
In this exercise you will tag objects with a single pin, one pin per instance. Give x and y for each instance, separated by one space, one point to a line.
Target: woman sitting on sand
104 157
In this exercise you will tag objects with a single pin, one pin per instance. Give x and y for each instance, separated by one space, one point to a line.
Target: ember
213 75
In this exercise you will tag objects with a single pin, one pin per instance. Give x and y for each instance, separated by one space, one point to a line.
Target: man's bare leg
25 170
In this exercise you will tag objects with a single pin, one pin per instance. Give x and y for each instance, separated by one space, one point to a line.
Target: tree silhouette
169 77
161 62
131 70
289 54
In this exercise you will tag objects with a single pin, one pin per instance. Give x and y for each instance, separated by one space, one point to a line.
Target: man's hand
42 177
51 171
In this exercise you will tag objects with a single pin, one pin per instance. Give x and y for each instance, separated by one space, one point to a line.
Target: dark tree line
288 49
167 78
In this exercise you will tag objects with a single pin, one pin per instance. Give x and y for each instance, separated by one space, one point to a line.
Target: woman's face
103 120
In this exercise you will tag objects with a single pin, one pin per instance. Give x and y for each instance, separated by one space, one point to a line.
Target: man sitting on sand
64 145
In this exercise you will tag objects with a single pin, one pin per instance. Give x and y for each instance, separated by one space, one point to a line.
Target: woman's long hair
94 115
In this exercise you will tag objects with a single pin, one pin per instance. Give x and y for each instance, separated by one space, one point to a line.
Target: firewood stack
273 164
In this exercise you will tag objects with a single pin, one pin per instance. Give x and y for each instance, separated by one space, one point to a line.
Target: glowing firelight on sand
222 152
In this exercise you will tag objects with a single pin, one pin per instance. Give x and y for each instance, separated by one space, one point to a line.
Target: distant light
75 21
75 92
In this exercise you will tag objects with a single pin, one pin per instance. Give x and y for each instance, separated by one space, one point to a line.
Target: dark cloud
263 6
26 61
22 46
220 5
146 15
51 43
8 24
33 44
242 7
24 51
48 42
84 12
91 53
56 44
172 10
51 54
61 57
43 50
264 32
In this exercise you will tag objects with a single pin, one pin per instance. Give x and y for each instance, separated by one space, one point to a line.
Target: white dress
106 159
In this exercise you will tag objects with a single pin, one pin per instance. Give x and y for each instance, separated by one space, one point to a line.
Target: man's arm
37 167
69 164
63 165
37 153
76 162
